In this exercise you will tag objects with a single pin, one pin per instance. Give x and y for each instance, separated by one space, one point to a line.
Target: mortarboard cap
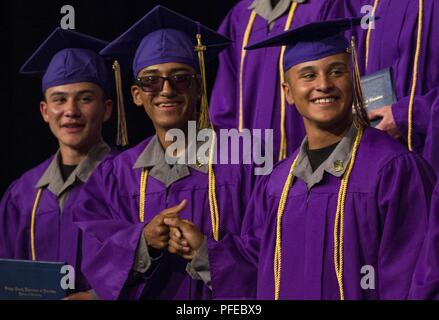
66 57
312 41
162 36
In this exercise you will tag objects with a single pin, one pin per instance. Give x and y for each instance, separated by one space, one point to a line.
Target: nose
324 83
72 109
167 89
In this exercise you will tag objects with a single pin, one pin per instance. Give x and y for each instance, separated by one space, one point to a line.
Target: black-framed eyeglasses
179 82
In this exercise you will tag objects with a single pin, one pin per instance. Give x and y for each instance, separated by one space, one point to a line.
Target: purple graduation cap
162 36
312 41
66 57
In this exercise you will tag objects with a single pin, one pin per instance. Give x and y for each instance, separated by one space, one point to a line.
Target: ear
287 91
108 109
286 86
43 111
136 94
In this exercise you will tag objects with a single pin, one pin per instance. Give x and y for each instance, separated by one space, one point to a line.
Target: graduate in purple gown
411 53
35 216
124 204
247 91
346 215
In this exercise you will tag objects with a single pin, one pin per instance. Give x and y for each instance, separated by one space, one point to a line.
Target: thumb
176 209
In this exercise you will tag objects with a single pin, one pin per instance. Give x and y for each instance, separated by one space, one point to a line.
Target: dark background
26 139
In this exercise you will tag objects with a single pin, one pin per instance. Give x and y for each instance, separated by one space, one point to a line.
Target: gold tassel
213 202
122 132
204 108
361 118
204 122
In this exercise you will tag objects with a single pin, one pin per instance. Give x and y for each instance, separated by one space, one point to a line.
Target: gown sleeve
403 195
111 240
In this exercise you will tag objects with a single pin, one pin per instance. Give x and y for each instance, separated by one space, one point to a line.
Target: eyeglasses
179 82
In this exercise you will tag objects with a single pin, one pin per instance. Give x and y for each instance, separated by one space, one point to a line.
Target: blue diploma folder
30 280
378 90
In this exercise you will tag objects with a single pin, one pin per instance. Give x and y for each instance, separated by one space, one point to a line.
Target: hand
387 122
178 245
156 232
84 295
185 238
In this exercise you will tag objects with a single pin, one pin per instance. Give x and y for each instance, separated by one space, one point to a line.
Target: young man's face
322 90
171 105
75 113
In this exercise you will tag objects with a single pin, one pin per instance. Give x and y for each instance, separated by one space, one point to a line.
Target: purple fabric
313 41
425 283
68 56
108 212
162 36
314 50
393 44
386 213
261 86
426 280
77 65
162 46
56 237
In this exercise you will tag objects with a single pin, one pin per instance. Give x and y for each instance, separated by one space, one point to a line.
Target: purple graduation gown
108 212
393 44
261 83
57 238
385 223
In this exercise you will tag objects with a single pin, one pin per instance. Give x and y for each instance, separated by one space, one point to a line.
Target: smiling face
322 91
169 107
75 113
